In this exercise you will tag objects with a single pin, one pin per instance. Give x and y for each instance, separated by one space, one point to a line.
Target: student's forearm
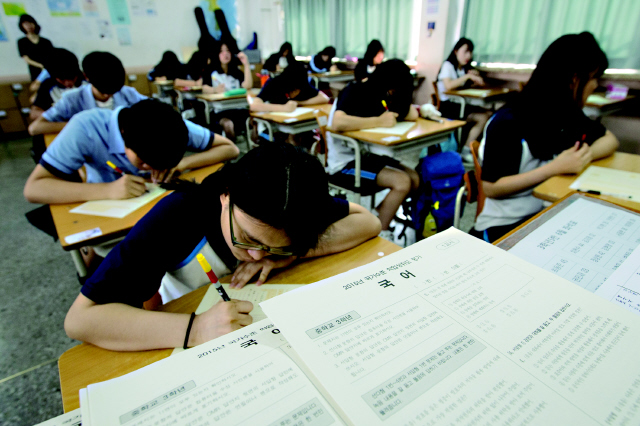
35 112
183 83
57 191
605 146
264 107
41 126
320 98
350 122
248 78
120 327
450 84
31 62
218 153
412 115
513 184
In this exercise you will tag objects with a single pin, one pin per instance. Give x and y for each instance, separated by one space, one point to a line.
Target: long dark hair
454 59
372 50
234 64
28 18
329 51
197 65
392 81
169 66
572 56
281 186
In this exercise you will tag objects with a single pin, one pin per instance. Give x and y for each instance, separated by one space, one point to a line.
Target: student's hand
220 88
243 58
290 106
222 318
247 270
163 78
573 160
128 186
163 176
474 72
334 68
476 79
198 82
388 119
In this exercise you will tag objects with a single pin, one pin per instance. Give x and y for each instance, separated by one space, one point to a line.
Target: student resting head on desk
285 92
169 68
458 73
372 58
106 76
381 101
147 137
65 74
196 71
322 61
281 59
541 133
258 214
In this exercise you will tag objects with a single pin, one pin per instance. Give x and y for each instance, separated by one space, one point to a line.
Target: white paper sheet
584 243
247 377
599 100
618 183
298 111
119 208
623 286
473 92
454 330
399 129
72 418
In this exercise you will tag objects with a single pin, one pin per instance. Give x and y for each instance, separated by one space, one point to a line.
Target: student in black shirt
372 58
169 68
33 48
281 59
322 61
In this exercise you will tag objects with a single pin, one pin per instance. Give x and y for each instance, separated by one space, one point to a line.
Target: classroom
419 203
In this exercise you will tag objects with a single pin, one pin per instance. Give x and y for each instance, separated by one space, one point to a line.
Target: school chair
435 96
472 190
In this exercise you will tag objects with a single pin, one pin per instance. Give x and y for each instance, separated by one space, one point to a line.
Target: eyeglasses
280 251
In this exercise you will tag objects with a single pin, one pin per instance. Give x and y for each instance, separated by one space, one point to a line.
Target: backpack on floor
441 175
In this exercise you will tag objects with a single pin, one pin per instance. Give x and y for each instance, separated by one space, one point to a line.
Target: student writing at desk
542 133
259 213
379 102
281 59
372 58
322 61
146 137
106 76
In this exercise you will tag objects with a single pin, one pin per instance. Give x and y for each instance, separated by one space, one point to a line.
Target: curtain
520 31
348 25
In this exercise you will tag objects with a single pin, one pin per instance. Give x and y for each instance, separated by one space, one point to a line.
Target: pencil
384 104
114 167
212 277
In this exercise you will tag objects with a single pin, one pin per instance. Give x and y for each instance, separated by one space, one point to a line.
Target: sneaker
466 155
387 235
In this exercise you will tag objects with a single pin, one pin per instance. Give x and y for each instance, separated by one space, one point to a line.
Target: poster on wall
433 6
64 7
13 9
124 36
144 8
90 8
104 29
3 33
119 11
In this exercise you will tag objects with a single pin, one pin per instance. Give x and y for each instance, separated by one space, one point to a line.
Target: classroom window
519 31
349 26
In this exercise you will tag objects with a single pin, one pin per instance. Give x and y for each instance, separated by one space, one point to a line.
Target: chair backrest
436 96
475 147
319 148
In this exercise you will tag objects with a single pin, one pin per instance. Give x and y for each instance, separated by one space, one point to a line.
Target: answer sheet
584 243
72 418
618 183
399 129
623 286
119 208
247 377
298 111
452 330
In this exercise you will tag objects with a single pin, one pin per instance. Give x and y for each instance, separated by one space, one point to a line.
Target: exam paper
623 286
298 111
72 418
473 92
584 243
618 183
247 377
599 100
399 129
452 330
119 208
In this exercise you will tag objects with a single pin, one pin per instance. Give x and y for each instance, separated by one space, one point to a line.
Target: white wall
174 28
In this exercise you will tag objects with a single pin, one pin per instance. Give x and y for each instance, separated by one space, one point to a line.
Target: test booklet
119 208
450 330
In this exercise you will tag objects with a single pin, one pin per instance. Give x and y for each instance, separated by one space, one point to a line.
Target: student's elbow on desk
74 321
605 146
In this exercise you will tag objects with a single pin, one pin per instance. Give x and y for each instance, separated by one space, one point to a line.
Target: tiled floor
37 285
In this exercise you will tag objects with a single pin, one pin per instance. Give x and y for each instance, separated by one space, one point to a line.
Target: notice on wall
124 36
144 8
3 32
104 29
90 8
64 7
13 9
119 11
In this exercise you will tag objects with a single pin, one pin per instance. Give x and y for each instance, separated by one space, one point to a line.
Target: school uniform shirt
272 92
92 137
231 80
35 52
51 92
356 100
447 71
166 241
81 99
362 70
317 65
44 74
505 152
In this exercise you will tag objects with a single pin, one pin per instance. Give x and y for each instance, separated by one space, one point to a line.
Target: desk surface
71 223
423 128
302 117
48 138
480 93
213 97
599 101
85 364
163 83
332 73
557 187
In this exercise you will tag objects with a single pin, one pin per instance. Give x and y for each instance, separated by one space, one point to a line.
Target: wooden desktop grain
302 117
488 92
423 128
85 364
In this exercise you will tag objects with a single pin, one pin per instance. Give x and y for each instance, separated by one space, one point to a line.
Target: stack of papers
606 181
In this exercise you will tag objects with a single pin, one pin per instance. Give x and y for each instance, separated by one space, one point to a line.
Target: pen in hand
212 277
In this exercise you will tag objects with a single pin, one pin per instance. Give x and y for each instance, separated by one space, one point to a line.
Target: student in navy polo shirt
360 106
252 216
148 136
107 90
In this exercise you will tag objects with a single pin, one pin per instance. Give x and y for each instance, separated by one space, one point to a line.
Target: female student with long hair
281 59
535 137
322 61
372 58
260 213
457 73
169 68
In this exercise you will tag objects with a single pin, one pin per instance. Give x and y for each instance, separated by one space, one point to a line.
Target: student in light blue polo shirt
107 90
149 136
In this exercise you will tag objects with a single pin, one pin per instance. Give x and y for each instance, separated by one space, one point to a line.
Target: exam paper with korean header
454 331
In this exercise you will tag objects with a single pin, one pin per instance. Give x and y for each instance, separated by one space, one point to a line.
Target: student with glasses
249 218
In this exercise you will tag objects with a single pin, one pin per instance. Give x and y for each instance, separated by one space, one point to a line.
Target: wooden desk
164 89
332 76
216 102
291 125
598 105
85 364
557 187
485 98
48 138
